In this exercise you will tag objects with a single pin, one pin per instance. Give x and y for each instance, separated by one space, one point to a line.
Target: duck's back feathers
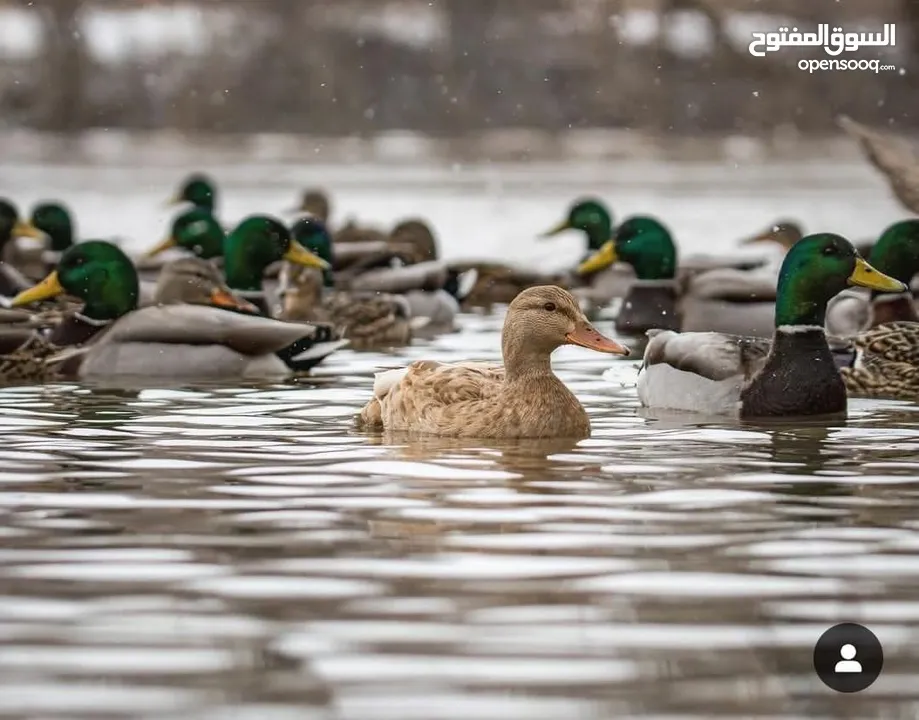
886 362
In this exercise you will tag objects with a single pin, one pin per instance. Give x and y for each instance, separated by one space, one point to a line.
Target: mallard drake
646 246
11 226
195 230
368 320
794 374
896 253
110 337
56 222
198 189
885 362
894 156
522 398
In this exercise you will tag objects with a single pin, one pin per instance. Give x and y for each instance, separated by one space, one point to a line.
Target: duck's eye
829 250
549 307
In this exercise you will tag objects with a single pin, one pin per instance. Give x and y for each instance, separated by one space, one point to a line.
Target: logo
834 43
848 658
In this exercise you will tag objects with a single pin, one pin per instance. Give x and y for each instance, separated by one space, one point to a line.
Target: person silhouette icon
848 664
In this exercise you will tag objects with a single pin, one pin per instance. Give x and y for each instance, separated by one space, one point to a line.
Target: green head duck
199 190
257 242
896 253
55 221
196 230
642 242
97 272
312 234
590 216
817 268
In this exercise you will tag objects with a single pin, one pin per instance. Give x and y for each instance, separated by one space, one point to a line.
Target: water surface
242 552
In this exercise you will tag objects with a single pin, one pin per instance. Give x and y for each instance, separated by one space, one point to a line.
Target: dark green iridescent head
896 253
199 232
97 272
590 216
646 245
198 189
56 222
313 234
257 242
815 269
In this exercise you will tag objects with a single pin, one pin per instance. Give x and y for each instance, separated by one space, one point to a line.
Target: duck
522 398
369 320
646 246
189 334
198 189
792 374
56 222
896 253
12 226
892 155
195 230
884 362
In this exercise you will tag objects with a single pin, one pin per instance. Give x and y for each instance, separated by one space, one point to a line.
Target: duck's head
315 202
592 217
817 268
415 235
257 242
783 232
195 230
312 234
541 319
642 242
197 189
97 272
195 281
896 253
55 221
12 226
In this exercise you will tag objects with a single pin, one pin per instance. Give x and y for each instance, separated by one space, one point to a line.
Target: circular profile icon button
848 657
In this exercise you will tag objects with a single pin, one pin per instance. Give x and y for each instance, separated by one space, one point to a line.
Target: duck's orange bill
222 298
587 336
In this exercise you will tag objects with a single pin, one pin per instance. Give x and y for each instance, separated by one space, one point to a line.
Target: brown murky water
244 553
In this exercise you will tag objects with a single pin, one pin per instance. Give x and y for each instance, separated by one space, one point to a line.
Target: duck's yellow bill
48 288
600 260
163 246
866 276
560 228
587 336
23 228
175 200
299 255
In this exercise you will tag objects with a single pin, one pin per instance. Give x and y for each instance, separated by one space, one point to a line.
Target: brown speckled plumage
368 320
887 362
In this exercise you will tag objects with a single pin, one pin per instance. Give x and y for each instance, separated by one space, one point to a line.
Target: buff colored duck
368 320
111 337
793 374
522 398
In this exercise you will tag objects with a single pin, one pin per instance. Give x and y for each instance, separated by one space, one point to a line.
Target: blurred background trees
442 67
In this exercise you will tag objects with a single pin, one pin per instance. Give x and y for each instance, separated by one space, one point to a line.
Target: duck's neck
892 307
522 364
799 377
242 276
